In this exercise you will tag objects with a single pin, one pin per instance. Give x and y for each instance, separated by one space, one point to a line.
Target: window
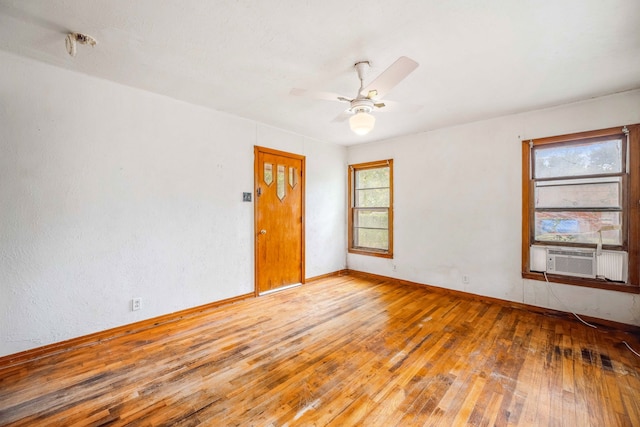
582 191
371 208
578 189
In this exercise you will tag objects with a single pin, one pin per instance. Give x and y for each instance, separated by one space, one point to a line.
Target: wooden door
279 219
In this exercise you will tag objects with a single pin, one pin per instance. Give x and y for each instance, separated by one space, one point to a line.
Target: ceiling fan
368 97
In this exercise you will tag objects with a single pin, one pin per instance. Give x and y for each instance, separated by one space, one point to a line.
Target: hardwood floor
342 351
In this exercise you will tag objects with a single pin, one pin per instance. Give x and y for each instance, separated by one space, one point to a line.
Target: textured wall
458 206
109 193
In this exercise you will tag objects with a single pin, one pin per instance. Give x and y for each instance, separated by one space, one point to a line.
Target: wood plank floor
342 351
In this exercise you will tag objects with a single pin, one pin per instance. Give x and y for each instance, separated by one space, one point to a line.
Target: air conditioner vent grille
571 262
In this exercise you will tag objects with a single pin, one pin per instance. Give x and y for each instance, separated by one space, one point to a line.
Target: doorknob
263 231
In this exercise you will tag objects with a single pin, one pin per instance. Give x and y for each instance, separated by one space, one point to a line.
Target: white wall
457 206
109 193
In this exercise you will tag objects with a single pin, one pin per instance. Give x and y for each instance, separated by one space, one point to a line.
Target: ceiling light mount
361 105
73 39
361 68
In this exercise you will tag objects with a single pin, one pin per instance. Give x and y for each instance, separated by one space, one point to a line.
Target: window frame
630 207
352 169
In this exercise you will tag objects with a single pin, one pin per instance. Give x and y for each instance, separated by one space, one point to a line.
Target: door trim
256 179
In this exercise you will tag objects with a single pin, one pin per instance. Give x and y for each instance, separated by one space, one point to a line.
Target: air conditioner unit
572 262
610 265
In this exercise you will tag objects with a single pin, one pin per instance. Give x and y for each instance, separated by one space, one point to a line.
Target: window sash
592 193
371 214
584 158
376 239
372 197
579 227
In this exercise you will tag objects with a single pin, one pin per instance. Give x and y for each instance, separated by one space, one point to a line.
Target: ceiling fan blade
326 96
391 77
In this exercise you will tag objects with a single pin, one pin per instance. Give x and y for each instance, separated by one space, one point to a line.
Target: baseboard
326 276
108 334
608 324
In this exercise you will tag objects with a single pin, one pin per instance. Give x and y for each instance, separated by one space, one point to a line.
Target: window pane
293 177
578 227
372 198
371 218
268 173
590 158
371 238
578 195
280 183
372 178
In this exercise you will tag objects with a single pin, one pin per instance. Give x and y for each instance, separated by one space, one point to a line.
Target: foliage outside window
582 190
371 208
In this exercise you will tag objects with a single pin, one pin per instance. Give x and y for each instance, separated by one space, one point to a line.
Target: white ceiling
478 58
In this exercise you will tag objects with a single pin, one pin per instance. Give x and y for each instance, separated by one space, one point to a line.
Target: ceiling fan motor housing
361 105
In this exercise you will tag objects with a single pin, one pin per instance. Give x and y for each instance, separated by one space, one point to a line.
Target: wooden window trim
632 208
350 173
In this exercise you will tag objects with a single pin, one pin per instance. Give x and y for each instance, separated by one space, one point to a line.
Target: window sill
380 254
578 281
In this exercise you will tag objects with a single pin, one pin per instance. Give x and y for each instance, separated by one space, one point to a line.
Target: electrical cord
632 350
563 304
578 317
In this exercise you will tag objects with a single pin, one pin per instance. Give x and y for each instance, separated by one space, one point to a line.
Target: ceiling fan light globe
361 123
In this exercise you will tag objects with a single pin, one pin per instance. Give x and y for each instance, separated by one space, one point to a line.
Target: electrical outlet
136 304
395 267
465 279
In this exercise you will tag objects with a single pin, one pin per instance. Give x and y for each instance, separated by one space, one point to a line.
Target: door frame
256 180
